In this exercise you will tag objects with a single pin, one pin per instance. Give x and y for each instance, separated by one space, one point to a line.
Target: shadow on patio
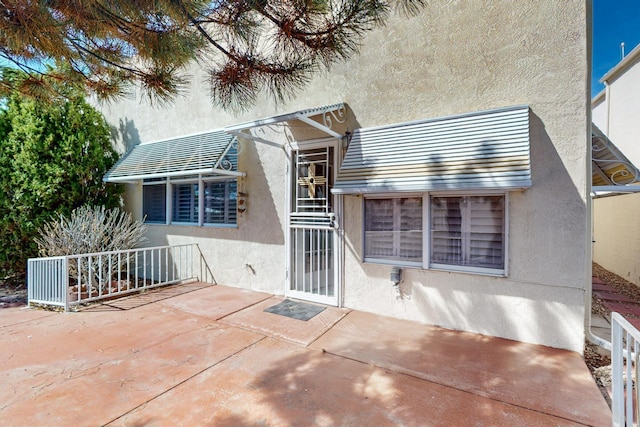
209 355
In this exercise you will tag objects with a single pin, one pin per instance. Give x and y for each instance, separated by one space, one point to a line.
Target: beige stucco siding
616 228
621 107
617 235
456 57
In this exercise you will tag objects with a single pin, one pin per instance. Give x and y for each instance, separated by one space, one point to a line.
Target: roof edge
621 66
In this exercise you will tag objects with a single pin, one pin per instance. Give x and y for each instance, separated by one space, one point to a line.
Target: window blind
468 231
220 202
185 203
154 203
393 229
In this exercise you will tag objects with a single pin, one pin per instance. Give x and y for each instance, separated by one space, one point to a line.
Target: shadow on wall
260 223
541 299
125 136
542 221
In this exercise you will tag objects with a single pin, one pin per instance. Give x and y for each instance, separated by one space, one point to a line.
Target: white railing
625 343
70 280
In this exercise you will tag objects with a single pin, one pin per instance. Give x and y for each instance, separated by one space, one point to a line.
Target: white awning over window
483 150
205 153
326 117
612 171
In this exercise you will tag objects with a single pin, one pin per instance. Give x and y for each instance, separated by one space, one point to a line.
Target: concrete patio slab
94 389
166 360
536 377
275 383
19 314
281 327
216 302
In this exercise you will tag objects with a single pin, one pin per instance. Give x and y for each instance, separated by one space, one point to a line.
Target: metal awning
612 171
482 150
211 153
328 115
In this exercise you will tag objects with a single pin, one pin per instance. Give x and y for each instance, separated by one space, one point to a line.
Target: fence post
617 386
65 283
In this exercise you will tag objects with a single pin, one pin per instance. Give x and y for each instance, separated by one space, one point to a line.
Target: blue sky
614 22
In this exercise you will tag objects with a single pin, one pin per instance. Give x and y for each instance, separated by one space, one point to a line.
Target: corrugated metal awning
328 114
205 153
612 171
483 150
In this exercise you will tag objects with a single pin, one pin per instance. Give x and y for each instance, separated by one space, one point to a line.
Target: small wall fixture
396 275
242 202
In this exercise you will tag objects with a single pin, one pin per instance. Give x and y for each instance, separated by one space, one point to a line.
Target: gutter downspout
589 180
589 287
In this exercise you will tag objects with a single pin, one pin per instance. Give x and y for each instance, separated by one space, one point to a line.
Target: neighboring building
456 147
616 111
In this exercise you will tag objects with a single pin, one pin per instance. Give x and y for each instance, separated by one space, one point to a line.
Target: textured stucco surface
456 57
617 114
616 232
616 229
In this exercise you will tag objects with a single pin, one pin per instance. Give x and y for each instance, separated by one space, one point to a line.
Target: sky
614 22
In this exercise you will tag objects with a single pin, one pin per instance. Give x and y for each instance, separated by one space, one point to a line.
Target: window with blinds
220 202
393 230
217 207
185 203
468 231
154 203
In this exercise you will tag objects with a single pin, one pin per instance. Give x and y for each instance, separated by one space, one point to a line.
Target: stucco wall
617 235
616 228
621 106
456 57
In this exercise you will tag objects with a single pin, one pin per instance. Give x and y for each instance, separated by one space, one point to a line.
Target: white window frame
170 183
426 263
374 260
162 183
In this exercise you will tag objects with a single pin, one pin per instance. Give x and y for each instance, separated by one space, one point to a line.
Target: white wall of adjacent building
616 111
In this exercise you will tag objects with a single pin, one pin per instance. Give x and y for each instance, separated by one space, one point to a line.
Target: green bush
53 156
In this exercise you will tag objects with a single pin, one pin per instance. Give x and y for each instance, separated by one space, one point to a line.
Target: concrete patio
204 355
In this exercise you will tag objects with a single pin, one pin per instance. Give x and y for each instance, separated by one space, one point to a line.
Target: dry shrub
91 229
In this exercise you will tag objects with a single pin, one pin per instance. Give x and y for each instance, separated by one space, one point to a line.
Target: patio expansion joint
323 333
242 308
184 381
30 320
419 376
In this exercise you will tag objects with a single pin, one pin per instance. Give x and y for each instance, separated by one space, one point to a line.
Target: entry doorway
313 245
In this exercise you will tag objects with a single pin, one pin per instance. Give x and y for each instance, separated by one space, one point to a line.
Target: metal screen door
312 244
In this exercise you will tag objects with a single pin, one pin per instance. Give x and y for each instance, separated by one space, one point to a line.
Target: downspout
589 178
590 241
594 339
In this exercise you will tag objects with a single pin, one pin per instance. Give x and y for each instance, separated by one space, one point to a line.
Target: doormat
295 309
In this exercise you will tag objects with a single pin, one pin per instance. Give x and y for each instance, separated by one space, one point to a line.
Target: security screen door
312 236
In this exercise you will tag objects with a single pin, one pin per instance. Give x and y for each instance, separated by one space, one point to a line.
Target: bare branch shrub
91 229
